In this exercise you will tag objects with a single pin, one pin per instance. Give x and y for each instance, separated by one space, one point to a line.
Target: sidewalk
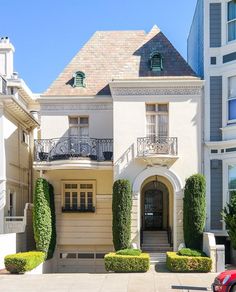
151 281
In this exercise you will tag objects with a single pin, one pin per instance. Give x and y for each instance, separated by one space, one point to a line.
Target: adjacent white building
16 126
212 54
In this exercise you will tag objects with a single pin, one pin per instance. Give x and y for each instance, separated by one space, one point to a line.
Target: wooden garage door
77 262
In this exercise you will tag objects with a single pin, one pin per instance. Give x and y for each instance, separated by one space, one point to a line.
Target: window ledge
78 210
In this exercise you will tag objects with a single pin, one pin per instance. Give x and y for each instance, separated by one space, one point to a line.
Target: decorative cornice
71 107
183 90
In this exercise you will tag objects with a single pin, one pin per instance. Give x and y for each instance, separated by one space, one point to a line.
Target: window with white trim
79 126
157 120
232 180
79 196
231 21
232 99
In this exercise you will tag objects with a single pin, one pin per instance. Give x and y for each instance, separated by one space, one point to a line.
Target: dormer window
156 62
79 79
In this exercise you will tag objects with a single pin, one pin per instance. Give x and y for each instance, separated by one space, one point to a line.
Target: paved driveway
152 281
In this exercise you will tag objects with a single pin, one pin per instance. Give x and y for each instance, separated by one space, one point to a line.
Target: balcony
158 150
3 86
74 150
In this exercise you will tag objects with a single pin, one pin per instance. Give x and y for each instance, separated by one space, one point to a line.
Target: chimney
6 57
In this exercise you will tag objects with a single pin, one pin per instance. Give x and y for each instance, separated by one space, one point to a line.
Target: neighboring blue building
212 54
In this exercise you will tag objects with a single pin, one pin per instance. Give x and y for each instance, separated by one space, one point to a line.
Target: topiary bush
194 209
229 216
129 251
121 210
176 263
52 244
23 262
126 263
191 252
42 216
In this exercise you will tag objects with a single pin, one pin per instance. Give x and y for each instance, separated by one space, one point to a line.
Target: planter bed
183 264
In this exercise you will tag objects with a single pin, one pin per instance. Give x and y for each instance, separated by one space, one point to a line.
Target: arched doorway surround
172 181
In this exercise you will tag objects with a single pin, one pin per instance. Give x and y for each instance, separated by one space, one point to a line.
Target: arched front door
153 210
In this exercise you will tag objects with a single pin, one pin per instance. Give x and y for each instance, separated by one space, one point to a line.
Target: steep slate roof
118 55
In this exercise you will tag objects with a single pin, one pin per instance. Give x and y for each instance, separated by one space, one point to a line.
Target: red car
225 282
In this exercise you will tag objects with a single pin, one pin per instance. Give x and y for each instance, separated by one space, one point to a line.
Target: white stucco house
212 54
126 106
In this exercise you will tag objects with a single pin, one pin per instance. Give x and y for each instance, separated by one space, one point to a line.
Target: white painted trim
177 191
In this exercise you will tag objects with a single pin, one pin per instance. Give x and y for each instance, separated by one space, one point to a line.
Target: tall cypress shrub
121 210
42 215
52 244
194 216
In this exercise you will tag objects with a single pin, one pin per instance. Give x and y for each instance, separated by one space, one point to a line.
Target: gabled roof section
101 59
174 65
118 55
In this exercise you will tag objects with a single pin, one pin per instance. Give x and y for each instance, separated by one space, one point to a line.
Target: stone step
157 258
156 249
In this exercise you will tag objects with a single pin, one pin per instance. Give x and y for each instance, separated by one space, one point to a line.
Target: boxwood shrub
53 240
194 210
191 252
129 251
42 216
23 262
176 263
127 263
121 212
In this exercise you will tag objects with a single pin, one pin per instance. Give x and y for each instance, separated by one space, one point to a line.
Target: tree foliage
194 216
229 216
121 210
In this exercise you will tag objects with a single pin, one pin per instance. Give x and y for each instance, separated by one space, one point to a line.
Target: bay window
232 180
231 21
232 99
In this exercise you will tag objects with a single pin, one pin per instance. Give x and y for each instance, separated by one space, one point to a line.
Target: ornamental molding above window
193 90
72 107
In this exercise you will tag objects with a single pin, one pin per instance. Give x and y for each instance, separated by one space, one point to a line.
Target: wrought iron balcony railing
157 145
3 85
73 147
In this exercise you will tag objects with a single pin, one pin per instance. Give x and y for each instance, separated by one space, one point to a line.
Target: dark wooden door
153 210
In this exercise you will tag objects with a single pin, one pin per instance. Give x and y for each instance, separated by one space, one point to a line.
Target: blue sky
48 33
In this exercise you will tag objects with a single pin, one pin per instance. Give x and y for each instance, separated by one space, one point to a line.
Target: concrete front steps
156 244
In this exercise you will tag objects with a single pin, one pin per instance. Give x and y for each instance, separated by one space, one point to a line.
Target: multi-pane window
79 126
231 21
79 79
157 120
79 196
156 62
232 180
232 99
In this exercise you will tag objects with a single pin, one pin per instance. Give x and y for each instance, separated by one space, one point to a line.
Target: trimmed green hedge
42 215
176 263
121 212
53 240
23 262
194 210
129 251
126 263
191 252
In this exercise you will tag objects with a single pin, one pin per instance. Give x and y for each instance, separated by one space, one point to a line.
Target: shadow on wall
124 161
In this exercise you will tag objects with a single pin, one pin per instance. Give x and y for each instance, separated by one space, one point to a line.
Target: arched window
156 62
79 79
